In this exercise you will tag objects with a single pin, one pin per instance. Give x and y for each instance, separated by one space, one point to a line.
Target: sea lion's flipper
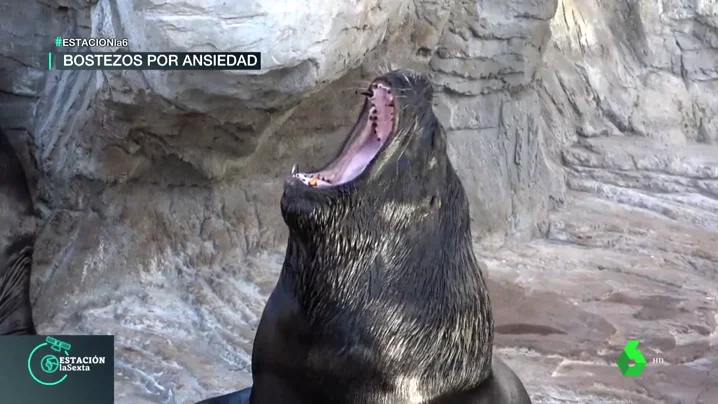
238 397
17 239
15 307
503 387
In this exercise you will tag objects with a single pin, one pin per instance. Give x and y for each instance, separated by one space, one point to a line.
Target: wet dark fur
16 244
380 299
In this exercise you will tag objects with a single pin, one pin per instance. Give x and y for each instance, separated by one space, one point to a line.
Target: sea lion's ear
432 203
435 202
429 92
438 138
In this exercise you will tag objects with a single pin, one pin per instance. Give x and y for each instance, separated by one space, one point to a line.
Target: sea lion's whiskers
362 83
356 90
361 86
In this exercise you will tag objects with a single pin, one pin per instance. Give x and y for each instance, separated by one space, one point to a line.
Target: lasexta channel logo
631 353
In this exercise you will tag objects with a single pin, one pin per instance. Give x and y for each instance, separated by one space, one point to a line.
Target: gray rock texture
585 132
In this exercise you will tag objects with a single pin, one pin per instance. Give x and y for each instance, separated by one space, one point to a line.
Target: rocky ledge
634 255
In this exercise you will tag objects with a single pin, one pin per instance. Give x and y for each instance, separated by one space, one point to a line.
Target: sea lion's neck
338 261
371 254
418 283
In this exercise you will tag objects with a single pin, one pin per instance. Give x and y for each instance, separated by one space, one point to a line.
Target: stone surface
607 273
587 125
306 45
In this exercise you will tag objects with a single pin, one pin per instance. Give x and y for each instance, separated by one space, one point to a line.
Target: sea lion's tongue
357 156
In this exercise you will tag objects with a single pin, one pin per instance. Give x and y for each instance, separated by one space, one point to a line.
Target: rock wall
158 191
635 68
628 89
204 154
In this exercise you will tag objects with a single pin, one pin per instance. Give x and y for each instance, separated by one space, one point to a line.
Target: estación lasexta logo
44 361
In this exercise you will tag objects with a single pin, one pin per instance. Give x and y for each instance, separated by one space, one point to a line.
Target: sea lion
17 239
380 298
502 387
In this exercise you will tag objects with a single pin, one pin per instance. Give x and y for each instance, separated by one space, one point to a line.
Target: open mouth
369 135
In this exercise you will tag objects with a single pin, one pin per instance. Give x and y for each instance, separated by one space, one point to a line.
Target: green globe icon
49 363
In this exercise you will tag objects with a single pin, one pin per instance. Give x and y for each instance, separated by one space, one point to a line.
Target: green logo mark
49 363
631 353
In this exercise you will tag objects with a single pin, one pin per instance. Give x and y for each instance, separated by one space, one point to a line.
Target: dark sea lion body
380 299
17 239
502 387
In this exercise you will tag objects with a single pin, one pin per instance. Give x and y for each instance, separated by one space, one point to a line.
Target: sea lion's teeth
294 169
